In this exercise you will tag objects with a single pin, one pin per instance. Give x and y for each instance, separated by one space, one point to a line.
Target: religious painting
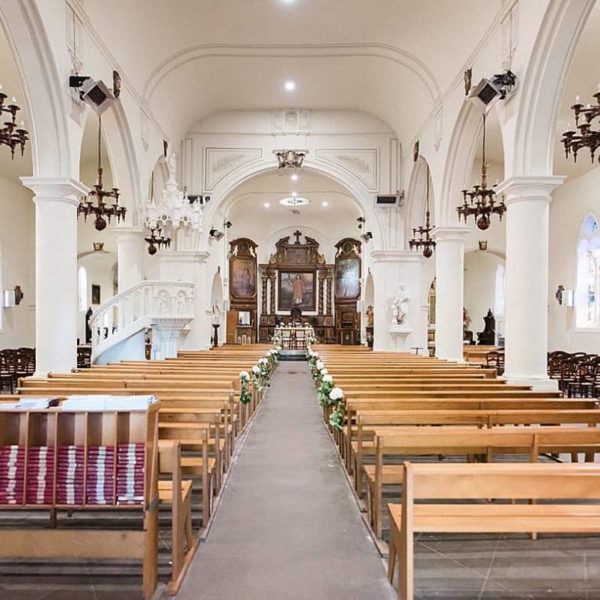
243 277
347 278
244 318
297 290
96 295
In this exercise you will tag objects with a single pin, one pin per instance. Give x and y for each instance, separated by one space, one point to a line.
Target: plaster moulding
362 163
538 187
220 162
290 121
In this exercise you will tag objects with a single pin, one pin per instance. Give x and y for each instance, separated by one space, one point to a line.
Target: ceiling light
267 204
295 177
290 86
294 200
324 203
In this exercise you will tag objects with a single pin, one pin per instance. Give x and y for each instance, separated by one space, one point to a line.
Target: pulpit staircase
119 327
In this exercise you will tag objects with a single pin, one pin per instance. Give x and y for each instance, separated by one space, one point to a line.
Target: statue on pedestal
400 306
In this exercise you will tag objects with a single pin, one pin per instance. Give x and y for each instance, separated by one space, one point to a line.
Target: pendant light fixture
422 234
95 204
480 202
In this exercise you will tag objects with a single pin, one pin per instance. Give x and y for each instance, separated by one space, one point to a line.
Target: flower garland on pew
245 393
327 394
261 375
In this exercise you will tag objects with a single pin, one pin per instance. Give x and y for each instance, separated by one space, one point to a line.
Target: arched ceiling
386 57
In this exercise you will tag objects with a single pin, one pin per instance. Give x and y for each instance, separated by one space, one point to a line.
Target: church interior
304 301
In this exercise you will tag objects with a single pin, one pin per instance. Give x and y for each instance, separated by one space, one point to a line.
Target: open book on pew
106 403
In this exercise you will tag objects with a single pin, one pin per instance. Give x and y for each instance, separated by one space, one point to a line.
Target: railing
139 307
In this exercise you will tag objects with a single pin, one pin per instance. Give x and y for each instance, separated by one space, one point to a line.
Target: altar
294 337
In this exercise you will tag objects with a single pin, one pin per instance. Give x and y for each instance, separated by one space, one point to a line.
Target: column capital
396 256
193 256
456 233
57 189
529 187
128 234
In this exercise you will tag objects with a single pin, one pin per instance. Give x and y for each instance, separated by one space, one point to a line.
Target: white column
131 256
526 317
190 266
392 268
449 290
56 201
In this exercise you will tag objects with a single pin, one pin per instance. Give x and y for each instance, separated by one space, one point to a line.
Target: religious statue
370 316
466 319
216 314
400 306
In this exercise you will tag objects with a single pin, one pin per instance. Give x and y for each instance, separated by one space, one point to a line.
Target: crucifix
297 234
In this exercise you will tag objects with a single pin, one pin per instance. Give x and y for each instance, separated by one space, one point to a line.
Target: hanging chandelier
157 240
11 135
422 234
480 202
95 205
586 137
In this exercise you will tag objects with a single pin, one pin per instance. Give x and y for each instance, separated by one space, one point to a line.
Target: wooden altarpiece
243 292
347 290
297 277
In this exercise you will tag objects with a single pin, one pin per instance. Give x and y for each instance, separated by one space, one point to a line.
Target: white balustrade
146 304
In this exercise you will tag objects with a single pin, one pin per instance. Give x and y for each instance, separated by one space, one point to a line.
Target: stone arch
43 89
543 84
462 149
222 195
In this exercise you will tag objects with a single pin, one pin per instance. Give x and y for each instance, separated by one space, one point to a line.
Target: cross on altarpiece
297 234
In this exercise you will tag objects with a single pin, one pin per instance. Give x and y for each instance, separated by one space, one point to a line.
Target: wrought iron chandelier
11 135
95 205
157 240
586 137
422 234
481 202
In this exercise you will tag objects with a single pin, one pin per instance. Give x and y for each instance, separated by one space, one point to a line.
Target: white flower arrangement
336 394
244 375
324 372
263 361
320 365
327 378
256 369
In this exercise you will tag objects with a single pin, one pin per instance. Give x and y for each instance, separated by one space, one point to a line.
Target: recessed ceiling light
294 177
324 203
290 86
267 204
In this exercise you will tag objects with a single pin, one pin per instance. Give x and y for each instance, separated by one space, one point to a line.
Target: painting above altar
347 279
297 290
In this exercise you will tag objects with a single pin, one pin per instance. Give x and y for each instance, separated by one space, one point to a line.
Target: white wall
17 245
570 204
480 288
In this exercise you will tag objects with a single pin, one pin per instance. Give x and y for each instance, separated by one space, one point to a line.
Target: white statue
400 306
172 165
216 314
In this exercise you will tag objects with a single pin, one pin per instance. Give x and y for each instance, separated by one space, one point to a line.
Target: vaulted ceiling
391 58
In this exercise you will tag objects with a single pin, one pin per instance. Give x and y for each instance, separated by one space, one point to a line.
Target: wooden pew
529 441
442 483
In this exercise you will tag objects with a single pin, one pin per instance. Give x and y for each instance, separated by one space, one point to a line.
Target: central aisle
287 526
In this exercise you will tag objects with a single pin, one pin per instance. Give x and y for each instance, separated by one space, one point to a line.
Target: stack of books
12 474
130 473
100 488
40 475
69 489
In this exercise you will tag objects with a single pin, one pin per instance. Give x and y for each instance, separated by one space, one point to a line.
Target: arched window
83 289
587 291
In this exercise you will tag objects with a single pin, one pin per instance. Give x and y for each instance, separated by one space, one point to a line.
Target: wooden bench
447 483
528 441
